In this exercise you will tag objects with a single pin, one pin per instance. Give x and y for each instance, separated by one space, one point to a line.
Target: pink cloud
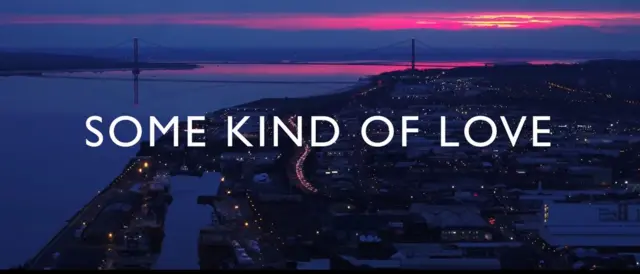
375 21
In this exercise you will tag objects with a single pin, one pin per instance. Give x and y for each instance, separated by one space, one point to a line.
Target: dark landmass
589 88
43 62
608 86
606 76
300 104
603 77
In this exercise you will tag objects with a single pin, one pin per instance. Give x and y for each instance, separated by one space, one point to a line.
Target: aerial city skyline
473 135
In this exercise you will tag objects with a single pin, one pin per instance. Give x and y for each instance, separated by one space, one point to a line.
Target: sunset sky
559 24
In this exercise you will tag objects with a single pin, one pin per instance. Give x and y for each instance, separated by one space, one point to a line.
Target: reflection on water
318 70
310 70
48 172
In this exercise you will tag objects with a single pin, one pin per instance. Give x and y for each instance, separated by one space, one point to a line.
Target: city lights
299 164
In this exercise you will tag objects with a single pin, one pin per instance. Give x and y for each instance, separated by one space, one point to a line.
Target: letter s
94 131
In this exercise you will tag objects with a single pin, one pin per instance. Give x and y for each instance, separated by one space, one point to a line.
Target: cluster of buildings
570 205
127 229
138 243
460 87
509 205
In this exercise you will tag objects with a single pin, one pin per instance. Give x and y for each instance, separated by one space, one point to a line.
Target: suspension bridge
136 65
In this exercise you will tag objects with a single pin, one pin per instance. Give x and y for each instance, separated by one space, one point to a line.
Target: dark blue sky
559 24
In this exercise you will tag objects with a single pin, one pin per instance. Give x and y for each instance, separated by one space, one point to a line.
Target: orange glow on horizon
371 21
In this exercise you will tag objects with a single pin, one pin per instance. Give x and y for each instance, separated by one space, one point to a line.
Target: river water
48 173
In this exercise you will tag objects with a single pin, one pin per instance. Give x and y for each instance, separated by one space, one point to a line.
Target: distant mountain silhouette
346 54
22 61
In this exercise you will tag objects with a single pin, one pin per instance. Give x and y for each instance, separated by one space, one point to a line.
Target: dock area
185 218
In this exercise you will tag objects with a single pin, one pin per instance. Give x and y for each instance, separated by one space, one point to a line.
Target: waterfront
49 164
180 245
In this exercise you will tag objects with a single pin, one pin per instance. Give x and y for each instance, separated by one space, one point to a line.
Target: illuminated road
299 163
554 259
575 90
367 183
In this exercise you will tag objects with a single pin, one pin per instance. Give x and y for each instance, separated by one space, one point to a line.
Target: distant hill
18 61
618 77
263 54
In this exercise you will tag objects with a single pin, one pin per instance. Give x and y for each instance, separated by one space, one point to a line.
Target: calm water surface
48 173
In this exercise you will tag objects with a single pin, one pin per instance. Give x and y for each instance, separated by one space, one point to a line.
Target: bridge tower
135 70
413 53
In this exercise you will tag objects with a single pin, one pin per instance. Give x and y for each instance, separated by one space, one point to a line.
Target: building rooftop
315 264
450 215
368 222
400 262
590 240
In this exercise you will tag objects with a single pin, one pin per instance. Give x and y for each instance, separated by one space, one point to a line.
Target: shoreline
100 69
188 65
89 70
322 101
271 101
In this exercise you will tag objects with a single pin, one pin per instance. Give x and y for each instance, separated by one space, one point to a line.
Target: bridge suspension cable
429 48
342 60
104 49
372 50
